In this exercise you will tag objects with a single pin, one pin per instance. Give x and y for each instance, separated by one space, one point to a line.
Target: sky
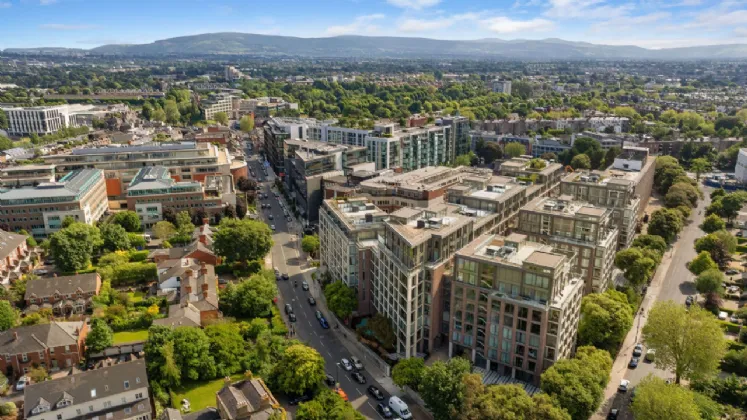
646 23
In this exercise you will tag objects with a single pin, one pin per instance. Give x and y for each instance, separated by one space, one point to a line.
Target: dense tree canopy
442 387
605 319
74 246
299 369
666 223
242 240
251 298
657 400
341 299
100 337
114 237
129 220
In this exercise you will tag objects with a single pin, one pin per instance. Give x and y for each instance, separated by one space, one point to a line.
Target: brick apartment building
65 295
15 256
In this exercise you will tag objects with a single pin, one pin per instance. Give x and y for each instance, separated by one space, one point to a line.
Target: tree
114 237
489 152
637 264
581 161
681 194
310 244
719 244
169 372
38 374
577 384
341 299
251 298
100 337
5 143
505 402
408 373
67 221
514 149
242 240
713 223
465 159
172 112
654 242
442 387
199 216
718 192
657 400
164 230
537 164
229 211
169 215
184 224
702 262
666 223
129 220
254 328
612 153
221 118
605 319
382 328
246 123
245 184
8 409
8 316
192 354
74 246
299 369
3 120
158 115
699 166
327 405
689 343
709 283
226 347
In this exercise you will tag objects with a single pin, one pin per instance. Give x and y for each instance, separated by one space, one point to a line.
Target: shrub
138 256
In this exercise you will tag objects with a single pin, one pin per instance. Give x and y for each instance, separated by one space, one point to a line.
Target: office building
217 103
26 175
187 161
265 107
502 86
515 306
625 188
307 163
588 231
153 189
40 210
113 392
43 120
347 234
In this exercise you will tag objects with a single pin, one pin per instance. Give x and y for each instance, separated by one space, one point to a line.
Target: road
675 283
286 258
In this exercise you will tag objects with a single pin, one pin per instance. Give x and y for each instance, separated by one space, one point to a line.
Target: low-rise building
515 305
53 346
26 175
217 103
578 227
249 399
64 295
118 392
40 210
15 256
194 287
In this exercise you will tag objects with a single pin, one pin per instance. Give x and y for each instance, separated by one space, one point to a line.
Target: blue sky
647 23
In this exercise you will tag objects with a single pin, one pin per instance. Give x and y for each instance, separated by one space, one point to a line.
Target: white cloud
505 25
47 2
624 23
424 25
360 25
413 4
64 27
740 32
587 9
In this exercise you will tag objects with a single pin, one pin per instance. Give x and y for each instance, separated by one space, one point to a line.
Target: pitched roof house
64 294
57 345
249 399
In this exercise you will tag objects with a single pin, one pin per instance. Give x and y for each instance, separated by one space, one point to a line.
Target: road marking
330 355
359 392
321 342
375 410
309 322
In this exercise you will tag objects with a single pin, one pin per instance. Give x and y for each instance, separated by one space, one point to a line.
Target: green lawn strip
200 394
130 336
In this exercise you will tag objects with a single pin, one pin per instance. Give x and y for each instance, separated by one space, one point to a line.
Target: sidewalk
620 364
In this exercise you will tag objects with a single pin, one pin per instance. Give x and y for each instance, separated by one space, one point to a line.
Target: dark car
270 217
330 380
638 350
633 363
689 300
318 314
384 410
613 414
324 323
288 308
292 317
358 377
375 392
286 276
300 399
312 301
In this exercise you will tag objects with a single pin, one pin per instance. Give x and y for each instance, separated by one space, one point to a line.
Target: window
90 409
127 384
59 417
140 407
78 411
93 393
137 380
128 410
25 357
139 396
107 404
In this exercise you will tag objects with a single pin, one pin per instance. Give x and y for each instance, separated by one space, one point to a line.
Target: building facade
53 346
39 120
64 295
515 306
502 86
40 210
217 103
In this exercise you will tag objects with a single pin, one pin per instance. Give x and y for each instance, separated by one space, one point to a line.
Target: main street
286 258
673 281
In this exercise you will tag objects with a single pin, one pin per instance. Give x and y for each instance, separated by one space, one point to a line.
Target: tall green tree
713 223
654 242
605 319
408 373
689 343
74 246
251 298
300 369
164 230
709 283
581 161
242 240
114 237
184 225
246 123
8 316
637 265
310 244
227 347
192 354
720 245
129 220
442 387
505 402
514 149
327 405
702 262
341 299
657 400
221 118
100 337
699 166
666 223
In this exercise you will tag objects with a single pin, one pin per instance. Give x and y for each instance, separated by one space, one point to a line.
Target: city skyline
86 24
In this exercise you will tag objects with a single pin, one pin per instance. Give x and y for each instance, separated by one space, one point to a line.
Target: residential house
15 256
57 345
65 295
249 399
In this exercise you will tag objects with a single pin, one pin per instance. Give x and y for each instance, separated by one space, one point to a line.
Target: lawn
130 336
136 297
200 394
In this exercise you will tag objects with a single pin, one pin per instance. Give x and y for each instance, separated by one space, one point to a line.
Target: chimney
15 335
203 269
205 221
204 294
204 287
227 381
188 288
77 331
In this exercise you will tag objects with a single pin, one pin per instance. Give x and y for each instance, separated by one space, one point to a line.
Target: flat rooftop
612 175
513 250
427 179
354 211
416 225
150 147
564 205
68 187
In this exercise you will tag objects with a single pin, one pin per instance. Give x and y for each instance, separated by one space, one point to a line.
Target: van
399 407
147 237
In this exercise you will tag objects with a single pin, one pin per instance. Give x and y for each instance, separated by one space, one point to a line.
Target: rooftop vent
421 224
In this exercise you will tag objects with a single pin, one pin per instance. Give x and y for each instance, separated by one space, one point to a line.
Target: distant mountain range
232 43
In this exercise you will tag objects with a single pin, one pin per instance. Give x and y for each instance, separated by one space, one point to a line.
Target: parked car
270 217
305 285
324 323
633 363
613 414
345 363
22 382
376 393
292 317
272 227
312 301
689 301
318 314
358 377
329 380
384 410
356 362
638 350
342 394
732 271
300 399
624 384
288 308
41 271
285 276
650 355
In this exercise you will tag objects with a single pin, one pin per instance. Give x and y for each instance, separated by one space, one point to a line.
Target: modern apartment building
625 188
461 142
534 172
153 189
265 107
588 231
40 210
26 175
187 161
39 119
502 86
217 103
307 163
740 171
117 392
514 306
348 231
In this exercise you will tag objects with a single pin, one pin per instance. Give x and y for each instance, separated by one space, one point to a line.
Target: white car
22 382
272 227
346 364
356 362
624 384
40 272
